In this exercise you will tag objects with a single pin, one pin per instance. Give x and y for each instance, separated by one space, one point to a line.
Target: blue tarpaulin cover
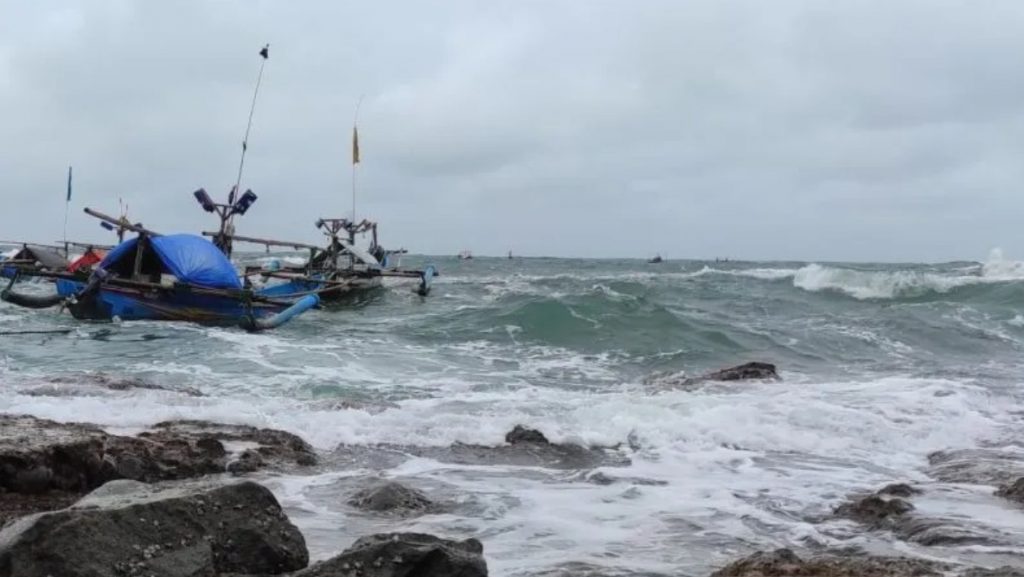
191 258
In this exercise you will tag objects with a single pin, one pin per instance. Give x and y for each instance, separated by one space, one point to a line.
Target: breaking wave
868 284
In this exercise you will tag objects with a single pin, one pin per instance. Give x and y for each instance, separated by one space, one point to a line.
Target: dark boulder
1013 491
93 383
874 510
277 448
404 555
521 434
903 490
38 456
882 511
745 372
392 497
785 563
1006 571
753 371
247 462
989 466
126 528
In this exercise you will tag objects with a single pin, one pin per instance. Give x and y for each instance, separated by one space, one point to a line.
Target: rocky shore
179 500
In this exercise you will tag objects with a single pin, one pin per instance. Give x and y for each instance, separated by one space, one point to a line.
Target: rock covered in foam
886 509
392 497
786 563
404 555
1013 491
752 371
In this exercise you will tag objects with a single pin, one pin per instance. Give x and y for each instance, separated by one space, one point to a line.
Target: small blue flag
69 184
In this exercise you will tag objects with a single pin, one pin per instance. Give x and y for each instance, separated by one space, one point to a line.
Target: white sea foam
864 284
731 455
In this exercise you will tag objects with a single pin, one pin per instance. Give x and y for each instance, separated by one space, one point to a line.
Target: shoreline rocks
523 447
752 371
786 563
57 461
1013 491
404 554
393 498
181 529
887 509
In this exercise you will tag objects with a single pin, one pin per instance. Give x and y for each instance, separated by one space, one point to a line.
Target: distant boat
657 259
509 255
465 255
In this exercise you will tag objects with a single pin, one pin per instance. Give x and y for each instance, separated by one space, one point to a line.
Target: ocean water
882 365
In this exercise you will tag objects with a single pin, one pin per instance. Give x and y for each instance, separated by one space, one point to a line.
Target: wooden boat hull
165 304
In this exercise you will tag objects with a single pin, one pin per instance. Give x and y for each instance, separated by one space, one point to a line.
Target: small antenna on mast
265 53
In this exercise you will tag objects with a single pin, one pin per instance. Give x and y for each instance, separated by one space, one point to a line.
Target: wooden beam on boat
86 245
120 223
404 273
266 242
23 243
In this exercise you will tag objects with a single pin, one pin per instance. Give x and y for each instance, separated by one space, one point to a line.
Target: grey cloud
863 130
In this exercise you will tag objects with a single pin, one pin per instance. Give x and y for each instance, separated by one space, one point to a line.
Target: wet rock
899 490
883 511
552 455
248 462
96 385
278 448
1006 571
874 510
978 466
936 532
14 505
392 497
404 555
785 563
583 569
80 383
753 371
1012 491
603 479
126 528
745 372
524 448
521 434
39 456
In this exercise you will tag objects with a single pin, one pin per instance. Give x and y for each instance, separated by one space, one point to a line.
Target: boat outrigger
180 277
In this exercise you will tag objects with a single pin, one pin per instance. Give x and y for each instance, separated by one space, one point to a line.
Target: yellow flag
355 146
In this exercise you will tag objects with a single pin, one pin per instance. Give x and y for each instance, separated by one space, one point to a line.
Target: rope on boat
39 332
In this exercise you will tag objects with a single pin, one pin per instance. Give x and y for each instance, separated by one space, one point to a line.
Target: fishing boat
178 277
655 259
335 272
465 255
29 257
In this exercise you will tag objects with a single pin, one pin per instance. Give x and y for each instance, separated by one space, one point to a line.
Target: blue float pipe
429 272
300 306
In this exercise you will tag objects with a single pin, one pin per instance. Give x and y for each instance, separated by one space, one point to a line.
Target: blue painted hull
170 304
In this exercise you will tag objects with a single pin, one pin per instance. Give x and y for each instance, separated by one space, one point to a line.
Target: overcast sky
856 130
